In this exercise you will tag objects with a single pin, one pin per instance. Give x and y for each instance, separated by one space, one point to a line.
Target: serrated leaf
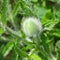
51 24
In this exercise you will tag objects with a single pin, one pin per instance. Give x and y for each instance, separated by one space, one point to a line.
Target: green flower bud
31 26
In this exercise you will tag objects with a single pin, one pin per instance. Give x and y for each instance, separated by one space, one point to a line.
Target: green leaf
51 24
57 32
58 50
21 52
1 31
6 49
35 57
34 0
39 11
58 13
16 8
54 0
4 11
14 55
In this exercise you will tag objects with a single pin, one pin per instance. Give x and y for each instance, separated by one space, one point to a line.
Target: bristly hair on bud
31 26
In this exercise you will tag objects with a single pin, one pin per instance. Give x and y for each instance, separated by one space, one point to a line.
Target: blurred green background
15 45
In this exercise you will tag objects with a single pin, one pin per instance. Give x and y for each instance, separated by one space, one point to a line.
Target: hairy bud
31 26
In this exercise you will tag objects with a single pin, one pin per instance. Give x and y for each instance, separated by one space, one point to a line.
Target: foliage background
14 45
